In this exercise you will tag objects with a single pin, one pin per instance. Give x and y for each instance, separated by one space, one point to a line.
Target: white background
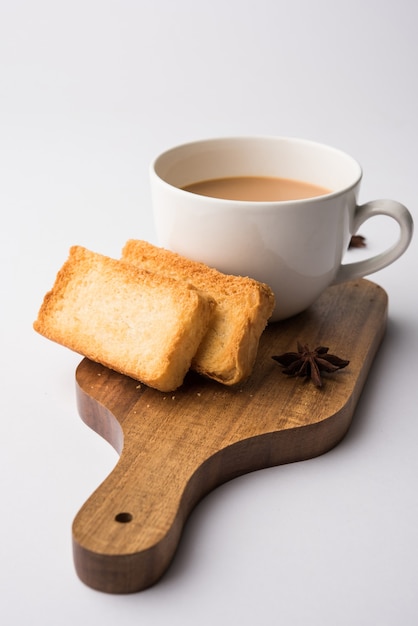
90 92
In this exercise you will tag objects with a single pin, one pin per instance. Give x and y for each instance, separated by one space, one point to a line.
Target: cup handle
363 212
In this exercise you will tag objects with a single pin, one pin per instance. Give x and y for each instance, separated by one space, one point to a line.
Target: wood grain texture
175 448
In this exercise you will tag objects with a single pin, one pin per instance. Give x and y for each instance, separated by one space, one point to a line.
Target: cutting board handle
123 539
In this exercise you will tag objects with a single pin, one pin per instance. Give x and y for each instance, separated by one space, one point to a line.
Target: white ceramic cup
294 246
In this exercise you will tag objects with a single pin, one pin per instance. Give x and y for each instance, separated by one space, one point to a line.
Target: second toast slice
243 307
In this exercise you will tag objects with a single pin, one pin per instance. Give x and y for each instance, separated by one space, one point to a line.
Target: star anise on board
308 363
357 241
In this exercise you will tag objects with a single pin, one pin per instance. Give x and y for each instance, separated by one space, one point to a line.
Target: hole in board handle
123 518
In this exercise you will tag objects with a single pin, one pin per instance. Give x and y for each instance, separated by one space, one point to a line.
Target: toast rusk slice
243 306
141 324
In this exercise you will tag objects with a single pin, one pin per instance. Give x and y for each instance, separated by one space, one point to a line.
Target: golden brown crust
243 307
139 323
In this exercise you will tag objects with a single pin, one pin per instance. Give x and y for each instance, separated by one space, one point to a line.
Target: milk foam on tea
256 189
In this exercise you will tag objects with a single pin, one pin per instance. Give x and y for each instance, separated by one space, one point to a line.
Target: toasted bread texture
243 306
145 325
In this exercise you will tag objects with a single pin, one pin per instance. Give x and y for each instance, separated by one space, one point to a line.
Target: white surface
90 92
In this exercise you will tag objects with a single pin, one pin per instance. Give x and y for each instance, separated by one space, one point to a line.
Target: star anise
308 363
357 241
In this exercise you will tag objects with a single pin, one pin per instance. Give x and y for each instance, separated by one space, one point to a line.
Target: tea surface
256 188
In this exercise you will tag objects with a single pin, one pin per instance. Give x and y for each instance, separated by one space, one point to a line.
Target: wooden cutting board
176 447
